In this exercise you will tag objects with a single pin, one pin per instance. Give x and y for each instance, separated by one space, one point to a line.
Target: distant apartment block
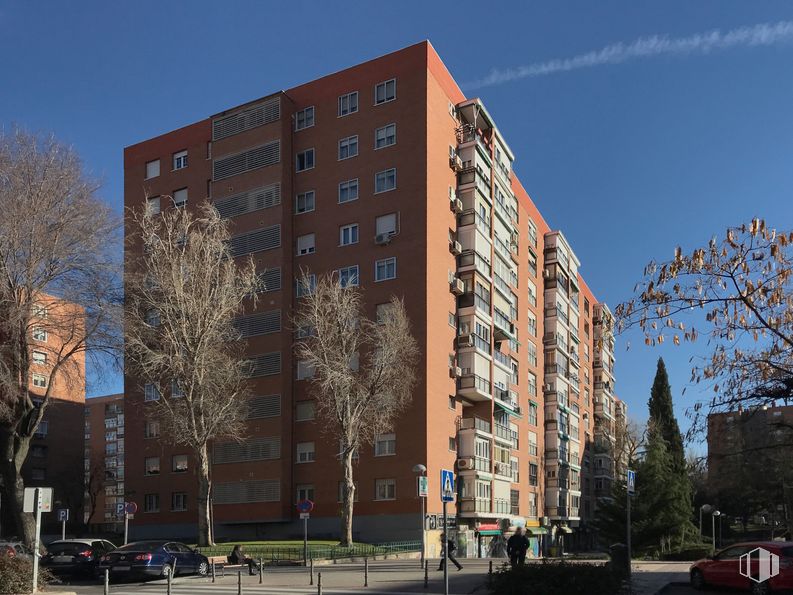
104 462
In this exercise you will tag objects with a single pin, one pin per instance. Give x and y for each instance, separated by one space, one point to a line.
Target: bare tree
628 443
184 291
94 486
740 289
363 369
59 293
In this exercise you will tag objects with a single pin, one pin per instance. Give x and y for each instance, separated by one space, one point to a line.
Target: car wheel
166 571
203 568
697 579
760 588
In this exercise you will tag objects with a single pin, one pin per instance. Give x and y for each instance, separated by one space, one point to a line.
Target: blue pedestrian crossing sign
631 482
447 485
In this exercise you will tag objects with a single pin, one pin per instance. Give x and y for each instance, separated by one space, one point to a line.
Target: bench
222 562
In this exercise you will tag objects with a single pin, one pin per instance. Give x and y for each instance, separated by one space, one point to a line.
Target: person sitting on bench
238 557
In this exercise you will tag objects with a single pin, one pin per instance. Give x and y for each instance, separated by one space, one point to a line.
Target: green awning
537 530
490 532
507 408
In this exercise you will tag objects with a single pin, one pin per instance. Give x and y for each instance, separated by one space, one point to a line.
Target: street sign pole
445 550
36 544
630 488
126 527
63 530
305 541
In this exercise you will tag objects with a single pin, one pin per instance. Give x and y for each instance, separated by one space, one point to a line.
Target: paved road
686 590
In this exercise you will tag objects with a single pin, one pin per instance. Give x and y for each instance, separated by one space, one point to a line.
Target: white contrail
656 45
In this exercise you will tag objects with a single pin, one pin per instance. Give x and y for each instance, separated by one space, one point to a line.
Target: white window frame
186 459
300 291
179 160
350 144
386 485
309 407
304 491
146 470
304 371
305 197
349 185
384 85
306 249
176 390
147 429
305 154
146 169
385 262
305 453
182 496
351 229
40 381
348 97
153 206
151 498
386 136
306 117
40 334
391 233
350 276
179 202
385 445
39 358
150 392
385 174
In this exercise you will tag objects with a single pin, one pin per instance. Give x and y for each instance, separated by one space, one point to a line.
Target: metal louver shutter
241 492
254 449
270 280
233 165
247 202
262 323
264 406
266 364
257 240
257 115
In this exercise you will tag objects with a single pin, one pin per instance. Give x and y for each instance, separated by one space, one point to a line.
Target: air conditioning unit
455 372
546 274
456 205
457 286
382 238
456 248
466 463
455 162
465 341
547 388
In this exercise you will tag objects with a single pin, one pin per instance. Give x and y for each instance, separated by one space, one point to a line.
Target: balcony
503 396
471 217
474 423
506 434
503 359
474 388
502 506
470 258
504 329
473 506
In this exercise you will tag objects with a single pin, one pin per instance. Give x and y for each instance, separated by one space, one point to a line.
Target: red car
727 569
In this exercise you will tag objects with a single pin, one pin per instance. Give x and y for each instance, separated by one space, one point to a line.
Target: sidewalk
650 577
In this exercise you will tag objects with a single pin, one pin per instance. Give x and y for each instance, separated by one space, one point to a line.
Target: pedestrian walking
450 549
517 546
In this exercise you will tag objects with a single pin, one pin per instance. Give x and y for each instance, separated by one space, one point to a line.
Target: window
348 104
385 489
385 269
178 501
305 452
304 370
153 205
151 503
304 410
386 224
176 390
153 318
348 276
151 429
532 414
39 334
385 136
348 190
305 244
152 466
39 357
180 197
385 445
304 118
385 180
39 381
533 474
533 449
348 234
304 202
38 451
304 160
151 393
348 147
152 169
180 160
179 464
43 429
305 286
385 91
38 474
452 443
304 492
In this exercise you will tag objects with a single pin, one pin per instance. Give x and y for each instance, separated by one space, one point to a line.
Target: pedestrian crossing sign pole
447 495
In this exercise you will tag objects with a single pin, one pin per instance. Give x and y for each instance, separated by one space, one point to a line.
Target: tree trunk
13 451
205 536
348 500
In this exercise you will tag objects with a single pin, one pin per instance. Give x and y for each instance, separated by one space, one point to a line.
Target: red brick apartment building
104 463
388 174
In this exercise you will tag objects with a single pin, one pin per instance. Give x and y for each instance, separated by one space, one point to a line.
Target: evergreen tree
662 416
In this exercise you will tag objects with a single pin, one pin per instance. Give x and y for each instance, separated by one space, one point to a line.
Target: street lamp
715 514
422 471
706 508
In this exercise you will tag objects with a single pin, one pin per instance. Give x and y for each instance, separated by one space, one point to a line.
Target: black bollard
319 583
170 578
426 574
239 582
213 572
490 573
261 570
311 569
366 572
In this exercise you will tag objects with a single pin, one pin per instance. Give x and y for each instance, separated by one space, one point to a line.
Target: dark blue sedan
156 559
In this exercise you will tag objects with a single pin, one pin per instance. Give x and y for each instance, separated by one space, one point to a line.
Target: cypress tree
662 417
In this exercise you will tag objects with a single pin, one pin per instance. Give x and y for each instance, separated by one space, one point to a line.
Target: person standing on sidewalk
450 549
517 546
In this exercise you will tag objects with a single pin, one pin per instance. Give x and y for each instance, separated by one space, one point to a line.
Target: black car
154 559
76 556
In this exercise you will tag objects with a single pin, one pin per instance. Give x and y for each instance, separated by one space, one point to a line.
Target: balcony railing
469 423
472 258
502 358
474 381
483 464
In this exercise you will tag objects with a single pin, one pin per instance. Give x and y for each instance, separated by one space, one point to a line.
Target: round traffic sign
305 506
131 508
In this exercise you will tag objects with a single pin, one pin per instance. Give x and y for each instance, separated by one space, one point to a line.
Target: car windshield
139 546
71 548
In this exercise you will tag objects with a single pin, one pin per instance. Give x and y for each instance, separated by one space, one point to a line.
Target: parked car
154 559
14 549
75 556
724 568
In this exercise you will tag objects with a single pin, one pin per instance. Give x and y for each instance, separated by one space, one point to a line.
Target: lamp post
706 508
422 471
715 514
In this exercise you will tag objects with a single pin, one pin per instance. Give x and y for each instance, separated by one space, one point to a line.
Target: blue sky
629 159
